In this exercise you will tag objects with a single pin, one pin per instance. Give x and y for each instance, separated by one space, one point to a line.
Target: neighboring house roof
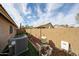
6 15
46 26
63 26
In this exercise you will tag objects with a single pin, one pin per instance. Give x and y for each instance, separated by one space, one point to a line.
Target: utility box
65 45
18 45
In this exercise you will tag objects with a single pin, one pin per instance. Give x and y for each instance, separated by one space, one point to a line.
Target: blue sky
41 13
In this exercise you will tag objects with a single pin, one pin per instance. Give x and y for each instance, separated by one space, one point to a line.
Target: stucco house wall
5 35
5 23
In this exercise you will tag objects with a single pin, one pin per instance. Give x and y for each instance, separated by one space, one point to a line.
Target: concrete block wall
71 35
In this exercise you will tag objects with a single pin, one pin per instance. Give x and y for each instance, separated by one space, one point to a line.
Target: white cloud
53 6
45 17
13 13
71 17
24 8
75 11
60 18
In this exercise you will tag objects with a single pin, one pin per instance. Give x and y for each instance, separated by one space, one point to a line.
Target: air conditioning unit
18 45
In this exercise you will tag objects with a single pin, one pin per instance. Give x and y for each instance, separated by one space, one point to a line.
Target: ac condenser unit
18 45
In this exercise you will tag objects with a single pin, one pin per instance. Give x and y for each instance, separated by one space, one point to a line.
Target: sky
35 14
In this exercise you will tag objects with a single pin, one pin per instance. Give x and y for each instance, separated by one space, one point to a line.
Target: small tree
27 26
77 18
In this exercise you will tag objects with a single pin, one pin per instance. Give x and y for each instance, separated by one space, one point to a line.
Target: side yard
31 51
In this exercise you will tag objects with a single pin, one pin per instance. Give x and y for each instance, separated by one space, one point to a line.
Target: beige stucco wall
4 32
70 35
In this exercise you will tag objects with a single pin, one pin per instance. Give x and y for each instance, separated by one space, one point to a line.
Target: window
1 31
11 30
